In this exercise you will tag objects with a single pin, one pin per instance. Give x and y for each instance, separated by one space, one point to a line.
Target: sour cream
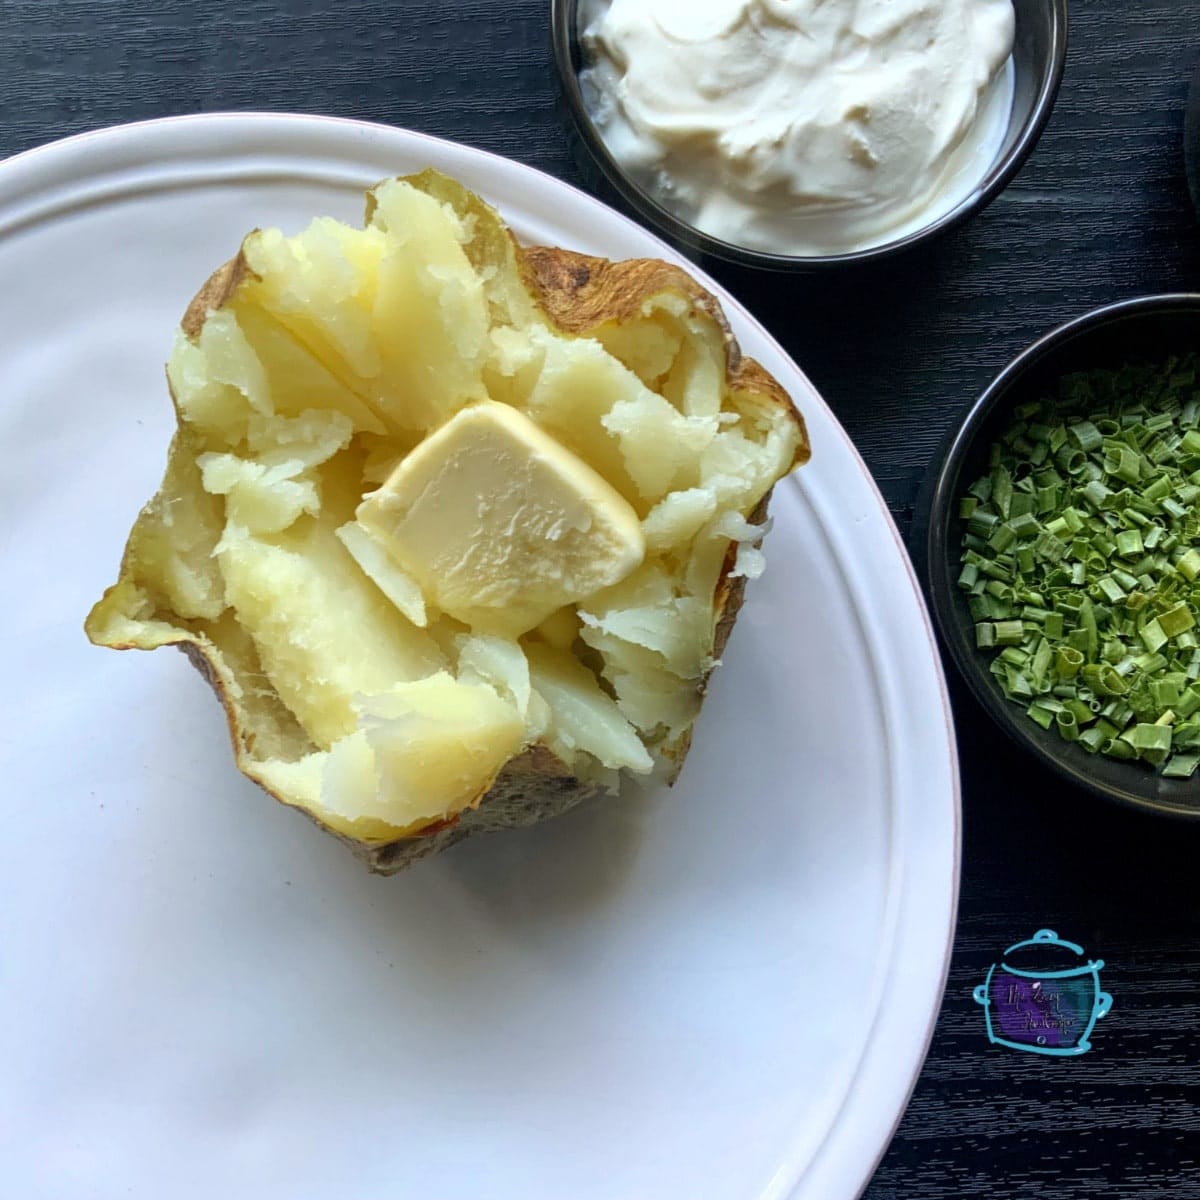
802 127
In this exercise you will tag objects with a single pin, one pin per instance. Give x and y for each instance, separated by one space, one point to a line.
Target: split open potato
455 528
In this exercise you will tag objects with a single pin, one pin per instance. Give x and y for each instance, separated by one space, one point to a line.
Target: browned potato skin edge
577 293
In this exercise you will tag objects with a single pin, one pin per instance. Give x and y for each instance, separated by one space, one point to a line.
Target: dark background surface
1099 213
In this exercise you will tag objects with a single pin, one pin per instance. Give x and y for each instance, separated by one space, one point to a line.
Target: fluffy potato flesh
388 692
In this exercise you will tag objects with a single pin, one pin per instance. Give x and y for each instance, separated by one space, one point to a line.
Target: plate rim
127 135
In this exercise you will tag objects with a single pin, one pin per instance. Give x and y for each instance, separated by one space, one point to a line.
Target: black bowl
1039 50
1143 330
1191 139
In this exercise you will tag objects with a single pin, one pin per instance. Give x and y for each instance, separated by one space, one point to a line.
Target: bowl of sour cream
797 134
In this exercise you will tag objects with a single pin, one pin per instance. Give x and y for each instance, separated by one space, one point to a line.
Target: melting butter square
499 524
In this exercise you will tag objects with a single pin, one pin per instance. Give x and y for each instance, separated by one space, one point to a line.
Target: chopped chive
1087 624
1071 460
1149 662
1042 715
1129 544
1117 747
1067 662
1081 562
1082 710
1185 736
1157 491
1068 727
1009 633
1151 742
1181 766
1073 519
1153 636
1047 499
1002 538
1040 666
1104 681
1121 461
981 523
1085 435
1189 565
1095 493
1002 491
1018 685
1165 693
1077 639
1176 620
1023 524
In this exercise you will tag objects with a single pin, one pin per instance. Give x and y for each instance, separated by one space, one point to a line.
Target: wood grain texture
1099 213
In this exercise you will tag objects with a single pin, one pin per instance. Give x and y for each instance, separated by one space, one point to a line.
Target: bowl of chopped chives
1063 551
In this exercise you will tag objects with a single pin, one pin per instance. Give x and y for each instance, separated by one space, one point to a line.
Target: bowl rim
936 547
683 234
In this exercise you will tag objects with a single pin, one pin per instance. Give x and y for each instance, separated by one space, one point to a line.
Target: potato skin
577 293
532 787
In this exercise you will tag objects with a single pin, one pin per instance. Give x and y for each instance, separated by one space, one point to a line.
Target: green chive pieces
1081 563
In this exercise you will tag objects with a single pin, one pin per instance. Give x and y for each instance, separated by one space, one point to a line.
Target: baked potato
455 528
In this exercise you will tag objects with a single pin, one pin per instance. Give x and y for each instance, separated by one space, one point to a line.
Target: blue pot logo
1044 1011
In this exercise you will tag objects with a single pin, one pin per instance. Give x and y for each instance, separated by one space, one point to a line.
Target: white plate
723 991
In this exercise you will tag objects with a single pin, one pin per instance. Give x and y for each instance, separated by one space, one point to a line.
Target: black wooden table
1101 212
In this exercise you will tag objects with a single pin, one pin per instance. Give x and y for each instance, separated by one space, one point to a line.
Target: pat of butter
499 524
